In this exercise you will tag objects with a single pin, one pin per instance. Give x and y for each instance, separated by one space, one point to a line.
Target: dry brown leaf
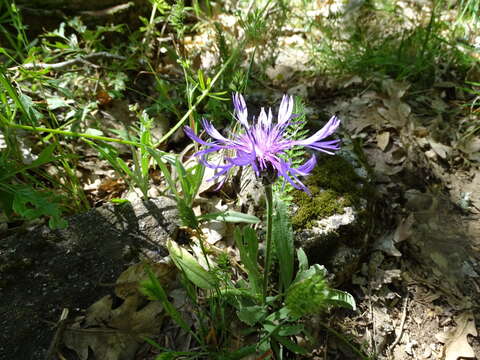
114 334
214 231
383 139
404 229
441 150
128 282
457 345
472 148
99 312
395 110
378 159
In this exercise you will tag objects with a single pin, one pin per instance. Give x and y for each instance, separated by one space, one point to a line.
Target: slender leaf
290 345
154 290
156 154
283 239
191 268
247 244
341 298
230 216
302 260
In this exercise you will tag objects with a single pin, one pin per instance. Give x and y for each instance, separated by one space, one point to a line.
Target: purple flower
263 143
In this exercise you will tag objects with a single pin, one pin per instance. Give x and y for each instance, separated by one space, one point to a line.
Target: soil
44 271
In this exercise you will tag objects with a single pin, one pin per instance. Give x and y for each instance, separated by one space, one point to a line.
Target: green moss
334 185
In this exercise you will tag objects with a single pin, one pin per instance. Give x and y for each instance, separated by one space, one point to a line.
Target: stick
402 325
62 322
67 63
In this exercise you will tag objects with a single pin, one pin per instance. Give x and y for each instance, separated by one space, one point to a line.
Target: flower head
262 144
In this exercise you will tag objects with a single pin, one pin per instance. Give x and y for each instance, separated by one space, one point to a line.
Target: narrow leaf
230 216
283 240
191 268
341 298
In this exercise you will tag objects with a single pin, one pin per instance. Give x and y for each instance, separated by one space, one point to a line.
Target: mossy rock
330 225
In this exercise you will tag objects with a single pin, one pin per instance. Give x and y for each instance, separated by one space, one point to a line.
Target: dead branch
68 63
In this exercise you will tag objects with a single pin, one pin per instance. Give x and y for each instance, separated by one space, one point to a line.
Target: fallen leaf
383 139
387 245
114 334
395 110
214 231
472 148
457 345
404 229
441 150
128 282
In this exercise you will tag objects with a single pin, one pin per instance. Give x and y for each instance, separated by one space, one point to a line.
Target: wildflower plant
264 145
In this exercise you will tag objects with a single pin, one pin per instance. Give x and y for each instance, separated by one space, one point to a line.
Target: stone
331 225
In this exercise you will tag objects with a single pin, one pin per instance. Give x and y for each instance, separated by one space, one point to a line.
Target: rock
331 225
44 271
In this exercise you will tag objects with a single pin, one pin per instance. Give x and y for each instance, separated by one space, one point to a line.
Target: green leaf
187 215
315 269
240 353
247 244
251 315
196 177
159 157
341 298
230 216
44 157
307 296
184 182
56 102
302 260
32 204
96 132
190 267
154 291
282 235
289 330
290 345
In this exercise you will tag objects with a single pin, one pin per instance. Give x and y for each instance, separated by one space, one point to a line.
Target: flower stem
268 245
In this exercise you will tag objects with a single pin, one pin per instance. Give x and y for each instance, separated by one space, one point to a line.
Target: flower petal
265 120
285 110
214 133
189 132
286 172
306 168
241 111
324 132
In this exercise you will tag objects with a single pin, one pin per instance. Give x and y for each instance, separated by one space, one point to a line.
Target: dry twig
67 63
62 322
402 326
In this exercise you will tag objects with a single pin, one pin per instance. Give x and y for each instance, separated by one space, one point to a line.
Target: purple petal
326 146
241 160
324 132
265 120
214 133
189 132
306 168
240 109
285 110
286 172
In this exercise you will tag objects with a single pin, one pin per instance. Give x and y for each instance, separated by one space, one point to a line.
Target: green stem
199 100
268 244
71 133
344 340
